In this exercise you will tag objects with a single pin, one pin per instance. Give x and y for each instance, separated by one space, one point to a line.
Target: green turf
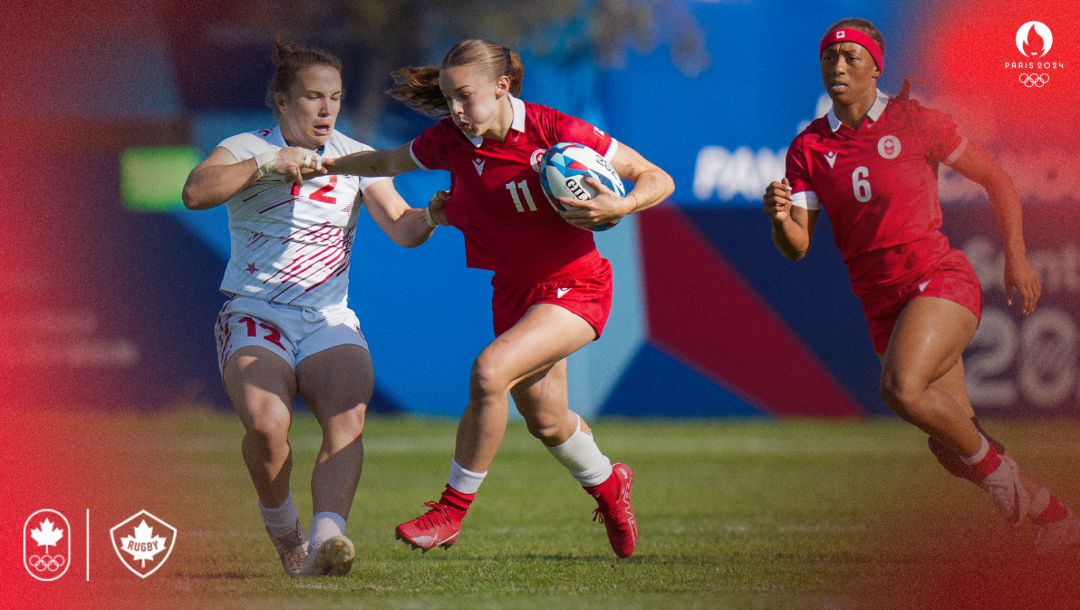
733 514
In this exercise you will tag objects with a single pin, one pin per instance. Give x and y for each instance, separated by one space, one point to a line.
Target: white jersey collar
276 138
874 113
518 124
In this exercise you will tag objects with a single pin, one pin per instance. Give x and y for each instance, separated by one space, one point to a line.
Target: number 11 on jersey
524 186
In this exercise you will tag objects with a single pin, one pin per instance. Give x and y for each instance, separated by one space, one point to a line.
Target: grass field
733 514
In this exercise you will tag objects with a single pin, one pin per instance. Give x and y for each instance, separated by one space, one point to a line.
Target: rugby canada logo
47 545
889 147
1030 48
143 542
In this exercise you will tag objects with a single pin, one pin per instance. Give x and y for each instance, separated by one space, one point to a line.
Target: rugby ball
563 169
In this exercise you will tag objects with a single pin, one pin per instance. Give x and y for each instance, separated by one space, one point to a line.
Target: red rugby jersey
878 184
495 195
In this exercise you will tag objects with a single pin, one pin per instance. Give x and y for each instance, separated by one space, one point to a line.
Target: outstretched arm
405 225
372 163
220 176
792 225
977 165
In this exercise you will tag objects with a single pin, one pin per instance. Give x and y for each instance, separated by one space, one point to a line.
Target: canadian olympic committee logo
46 545
889 147
535 157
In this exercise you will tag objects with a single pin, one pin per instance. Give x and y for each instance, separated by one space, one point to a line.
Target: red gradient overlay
998 578
704 314
967 52
82 465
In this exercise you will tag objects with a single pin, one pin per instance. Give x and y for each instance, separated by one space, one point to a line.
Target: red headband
858 37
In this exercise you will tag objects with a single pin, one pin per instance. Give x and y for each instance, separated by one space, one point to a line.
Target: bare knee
488 378
545 426
902 393
270 427
347 425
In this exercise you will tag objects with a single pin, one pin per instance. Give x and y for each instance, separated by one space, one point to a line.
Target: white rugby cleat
1008 492
1058 536
334 557
292 548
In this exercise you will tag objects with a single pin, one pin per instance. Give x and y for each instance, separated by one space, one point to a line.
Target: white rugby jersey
292 244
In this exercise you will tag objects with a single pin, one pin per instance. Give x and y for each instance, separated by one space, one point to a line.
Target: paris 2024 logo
1034 40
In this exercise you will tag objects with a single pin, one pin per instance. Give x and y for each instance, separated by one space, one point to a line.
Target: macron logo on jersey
831 157
479 165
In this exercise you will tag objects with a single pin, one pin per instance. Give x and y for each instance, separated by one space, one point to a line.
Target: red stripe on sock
1053 512
455 498
608 487
987 465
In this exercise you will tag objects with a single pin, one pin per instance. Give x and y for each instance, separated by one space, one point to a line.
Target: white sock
281 521
465 481
1040 502
980 454
324 526
583 458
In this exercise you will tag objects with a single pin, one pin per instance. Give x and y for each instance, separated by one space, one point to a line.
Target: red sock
608 487
990 462
456 499
1053 512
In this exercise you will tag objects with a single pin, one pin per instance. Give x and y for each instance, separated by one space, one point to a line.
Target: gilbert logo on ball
563 170
143 542
1039 45
46 545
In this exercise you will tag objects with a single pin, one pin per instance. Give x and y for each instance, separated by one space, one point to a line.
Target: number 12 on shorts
272 335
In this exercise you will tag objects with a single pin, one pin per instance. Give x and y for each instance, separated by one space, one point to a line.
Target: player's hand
437 205
1021 277
778 201
295 164
606 207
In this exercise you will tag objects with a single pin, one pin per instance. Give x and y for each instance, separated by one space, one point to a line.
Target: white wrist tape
427 216
267 162
307 164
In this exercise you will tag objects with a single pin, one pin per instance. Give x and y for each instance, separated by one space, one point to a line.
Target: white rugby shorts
287 330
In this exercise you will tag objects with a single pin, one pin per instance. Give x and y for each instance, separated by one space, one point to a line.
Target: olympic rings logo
1034 80
47 562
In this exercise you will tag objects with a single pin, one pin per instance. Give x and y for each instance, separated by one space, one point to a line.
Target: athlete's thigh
929 338
336 380
954 384
543 336
260 384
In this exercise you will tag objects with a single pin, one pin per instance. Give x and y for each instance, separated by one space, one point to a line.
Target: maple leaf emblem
46 535
144 545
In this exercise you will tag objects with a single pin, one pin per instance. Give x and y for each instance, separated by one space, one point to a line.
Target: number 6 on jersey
861 184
